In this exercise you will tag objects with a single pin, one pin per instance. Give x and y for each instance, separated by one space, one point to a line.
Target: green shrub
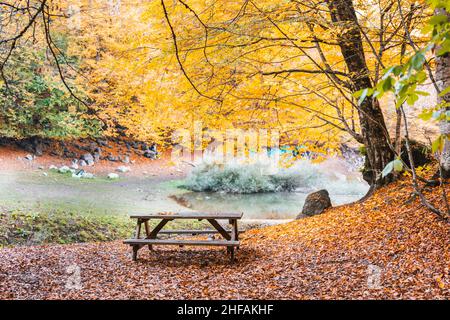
35 102
240 178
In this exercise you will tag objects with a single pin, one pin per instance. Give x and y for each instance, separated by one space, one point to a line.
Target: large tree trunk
442 78
373 127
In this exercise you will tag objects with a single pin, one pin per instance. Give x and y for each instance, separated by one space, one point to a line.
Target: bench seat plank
182 242
189 215
194 232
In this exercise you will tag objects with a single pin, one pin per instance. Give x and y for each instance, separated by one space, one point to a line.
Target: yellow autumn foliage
236 56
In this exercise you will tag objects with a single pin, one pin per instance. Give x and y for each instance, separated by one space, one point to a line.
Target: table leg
232 254
154 233
220 229
147 233
235 231
158 228
137 235
135 251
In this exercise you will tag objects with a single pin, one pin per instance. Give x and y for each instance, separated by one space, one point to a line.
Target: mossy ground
21 227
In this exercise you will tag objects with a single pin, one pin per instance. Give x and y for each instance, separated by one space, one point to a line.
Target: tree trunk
442 78
373 127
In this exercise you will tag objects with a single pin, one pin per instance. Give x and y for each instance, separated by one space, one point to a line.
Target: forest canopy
273 65
144 69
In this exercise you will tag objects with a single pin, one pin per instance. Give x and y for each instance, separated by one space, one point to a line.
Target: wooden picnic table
230 237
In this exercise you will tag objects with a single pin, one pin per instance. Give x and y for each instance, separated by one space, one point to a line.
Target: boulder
316 203
98 150
79 174
135 144
82 163
102 142
64 169
112 158
113 176
89 158
88 175
123 169
68 154
150 154
82 175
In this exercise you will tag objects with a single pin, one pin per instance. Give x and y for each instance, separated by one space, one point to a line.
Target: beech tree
321 46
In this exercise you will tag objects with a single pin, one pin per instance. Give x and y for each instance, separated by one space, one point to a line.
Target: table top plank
189 215
182 242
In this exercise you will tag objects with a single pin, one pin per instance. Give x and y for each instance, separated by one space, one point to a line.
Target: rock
113 176
316 203
150 154
102 142
82 163
89 158
64 169
123 169
29 157
97 157
79 174
83 175
93 147
53 167
112 158
98 150
126 159
41 168
68 154
153 147
74 166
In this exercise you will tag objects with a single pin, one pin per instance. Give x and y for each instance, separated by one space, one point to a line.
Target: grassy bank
31 227
21 227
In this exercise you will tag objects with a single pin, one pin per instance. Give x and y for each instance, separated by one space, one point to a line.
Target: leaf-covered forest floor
331 256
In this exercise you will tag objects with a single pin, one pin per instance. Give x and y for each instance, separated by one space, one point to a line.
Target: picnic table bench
230 237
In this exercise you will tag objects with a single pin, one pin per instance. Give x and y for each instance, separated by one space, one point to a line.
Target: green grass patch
21 227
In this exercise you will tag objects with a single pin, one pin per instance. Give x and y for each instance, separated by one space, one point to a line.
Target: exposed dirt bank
13 158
